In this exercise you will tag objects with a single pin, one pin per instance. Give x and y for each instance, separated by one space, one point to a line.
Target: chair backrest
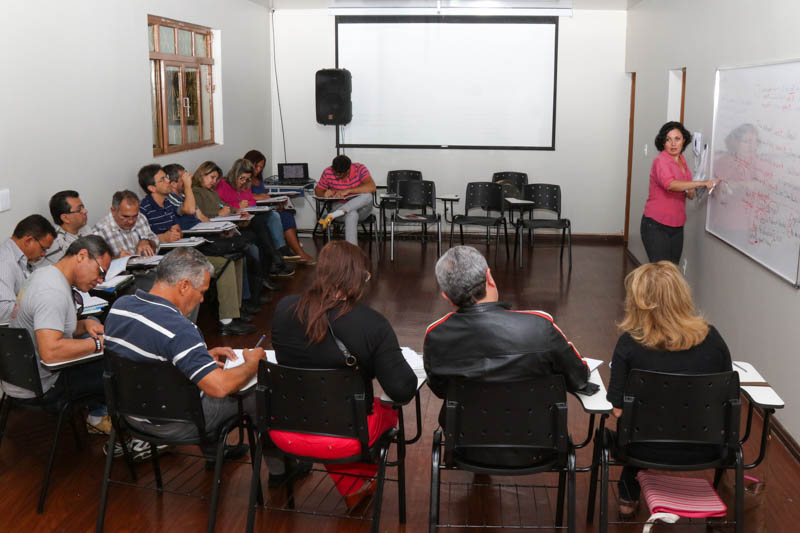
417 194
485 195
680 409
329 402
18 363
518 179
393 176
155 390
544 196
529 414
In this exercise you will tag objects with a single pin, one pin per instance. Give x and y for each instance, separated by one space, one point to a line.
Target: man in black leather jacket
484 339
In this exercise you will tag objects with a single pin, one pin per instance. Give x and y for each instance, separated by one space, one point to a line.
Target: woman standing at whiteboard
670 184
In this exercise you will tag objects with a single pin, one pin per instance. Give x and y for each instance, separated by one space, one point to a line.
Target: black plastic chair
321 402
19 366
489 197
527 417
157 390
392 177
672 410
518 179
419 197
545 197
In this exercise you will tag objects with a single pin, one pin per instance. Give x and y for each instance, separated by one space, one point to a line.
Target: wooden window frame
183 62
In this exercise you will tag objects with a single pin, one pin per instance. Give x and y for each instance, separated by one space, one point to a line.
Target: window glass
184 42
205 100
200 45
174 104
166 40
191 109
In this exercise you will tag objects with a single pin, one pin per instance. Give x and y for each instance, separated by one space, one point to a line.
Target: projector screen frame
362 19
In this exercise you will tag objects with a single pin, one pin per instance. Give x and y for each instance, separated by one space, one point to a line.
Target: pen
260 341
740 367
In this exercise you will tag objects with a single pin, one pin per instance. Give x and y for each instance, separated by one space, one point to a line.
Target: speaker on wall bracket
333 87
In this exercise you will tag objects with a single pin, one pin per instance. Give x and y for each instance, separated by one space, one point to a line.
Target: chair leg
126 452
451 234
561 252
603 526
391 246
46 481
5 409
251 440
496 240
75 432
439 236
401 469
569 246
101 513
212 512
593 479
378 499
156 466
739 491
571 493
436 453
461 230
255 485
562 480
518 243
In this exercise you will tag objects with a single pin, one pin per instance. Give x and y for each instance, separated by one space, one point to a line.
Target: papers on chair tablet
211 227
272 200
186 242
258 209
593 363
112 283
233 363
92 304
142 261
239 217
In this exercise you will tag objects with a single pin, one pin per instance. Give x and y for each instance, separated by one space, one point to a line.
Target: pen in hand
259 341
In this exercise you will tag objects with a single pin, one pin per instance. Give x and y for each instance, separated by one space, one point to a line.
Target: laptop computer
293 174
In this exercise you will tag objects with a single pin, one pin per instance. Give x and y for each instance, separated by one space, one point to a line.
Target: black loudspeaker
333 96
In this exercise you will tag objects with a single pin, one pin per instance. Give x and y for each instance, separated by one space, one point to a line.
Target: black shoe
281 271
263 299
232 452
236 327
271 285
250 307
294 470
246 317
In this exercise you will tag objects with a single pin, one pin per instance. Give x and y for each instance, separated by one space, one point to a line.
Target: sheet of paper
211 227
90 301
190 242
258 209
118 266
273 200
593 363
111 283
229 218
140 260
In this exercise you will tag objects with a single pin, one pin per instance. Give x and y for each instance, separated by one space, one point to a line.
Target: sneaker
236 327
103 427
282 271
140 450
118 451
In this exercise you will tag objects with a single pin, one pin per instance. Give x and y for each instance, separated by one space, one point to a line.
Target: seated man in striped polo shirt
153 326
343 179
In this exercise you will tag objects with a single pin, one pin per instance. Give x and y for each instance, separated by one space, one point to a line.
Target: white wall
75 95
591 130
755 311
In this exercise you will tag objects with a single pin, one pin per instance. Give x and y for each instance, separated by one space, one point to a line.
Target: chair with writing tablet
19 366
545 197
158 391
489 198
418 205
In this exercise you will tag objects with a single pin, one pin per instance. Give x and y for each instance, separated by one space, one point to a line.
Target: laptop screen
292 171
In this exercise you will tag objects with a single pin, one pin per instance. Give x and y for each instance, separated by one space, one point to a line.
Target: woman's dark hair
338 283
661 138
255 157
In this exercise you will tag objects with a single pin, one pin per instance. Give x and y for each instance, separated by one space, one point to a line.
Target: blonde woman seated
662 332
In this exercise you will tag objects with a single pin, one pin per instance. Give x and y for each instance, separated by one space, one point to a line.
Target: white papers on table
258 209
272 200
140 260
92 304
593 363
111 283
233 363
414 360
239 217
117 266
186 242
211 227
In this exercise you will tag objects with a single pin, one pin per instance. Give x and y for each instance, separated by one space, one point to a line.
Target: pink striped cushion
683 496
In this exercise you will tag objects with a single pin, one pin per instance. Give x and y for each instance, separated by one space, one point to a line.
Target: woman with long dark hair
301 336
260 192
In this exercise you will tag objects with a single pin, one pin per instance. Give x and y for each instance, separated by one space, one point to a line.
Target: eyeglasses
102 273
243 179
81 209
42 246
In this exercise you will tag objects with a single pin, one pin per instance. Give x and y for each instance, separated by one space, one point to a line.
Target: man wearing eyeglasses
125 229
46 308
70 216
28 244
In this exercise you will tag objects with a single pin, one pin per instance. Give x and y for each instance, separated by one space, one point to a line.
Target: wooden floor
585 305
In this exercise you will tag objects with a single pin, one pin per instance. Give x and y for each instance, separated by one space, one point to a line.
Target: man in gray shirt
29 242
46 309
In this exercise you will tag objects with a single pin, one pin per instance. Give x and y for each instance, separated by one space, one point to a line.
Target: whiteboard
756 151
454 82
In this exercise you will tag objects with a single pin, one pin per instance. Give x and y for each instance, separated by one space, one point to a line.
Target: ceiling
323 4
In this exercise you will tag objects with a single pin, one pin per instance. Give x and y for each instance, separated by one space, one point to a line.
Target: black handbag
221 246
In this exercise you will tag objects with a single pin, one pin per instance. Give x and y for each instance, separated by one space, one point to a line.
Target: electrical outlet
5 200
